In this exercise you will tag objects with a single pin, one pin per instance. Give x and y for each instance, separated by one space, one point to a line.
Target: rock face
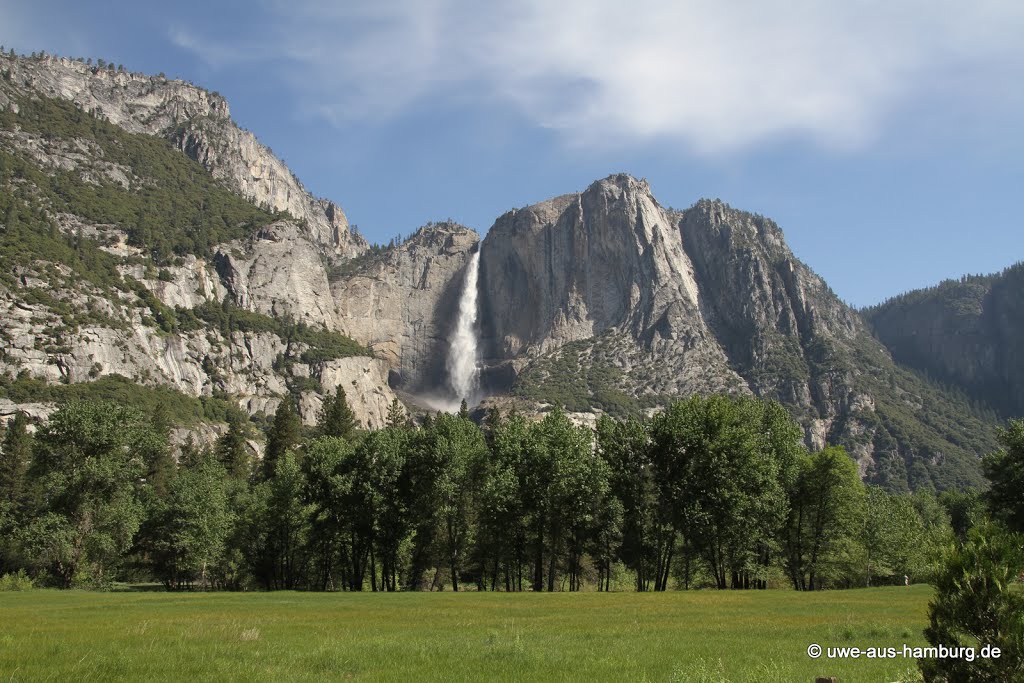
401 302
964 332
242 365
606 261
65 329
606 298
602 301
278 273
776 320
366 388
610 258
199 123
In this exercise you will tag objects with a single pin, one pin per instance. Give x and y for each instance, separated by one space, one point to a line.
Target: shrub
19 581
976 604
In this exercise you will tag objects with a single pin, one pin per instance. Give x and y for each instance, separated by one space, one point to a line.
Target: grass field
679 636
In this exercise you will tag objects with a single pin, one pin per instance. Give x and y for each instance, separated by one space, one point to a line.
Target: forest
712 492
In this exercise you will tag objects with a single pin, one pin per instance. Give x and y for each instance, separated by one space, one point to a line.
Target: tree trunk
538 565
373 571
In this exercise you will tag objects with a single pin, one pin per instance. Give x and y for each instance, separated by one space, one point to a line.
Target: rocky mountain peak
601 300
576 266
606 298
737 228
445 236
197 122
622 183
137 102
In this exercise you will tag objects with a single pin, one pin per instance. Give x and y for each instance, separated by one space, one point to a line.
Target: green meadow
284 636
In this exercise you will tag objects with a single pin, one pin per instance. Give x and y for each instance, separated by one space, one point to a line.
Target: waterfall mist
463 373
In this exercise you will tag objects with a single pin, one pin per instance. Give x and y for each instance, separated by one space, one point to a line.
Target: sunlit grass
683 636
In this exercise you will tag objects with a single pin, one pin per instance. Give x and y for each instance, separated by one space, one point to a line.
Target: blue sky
886 141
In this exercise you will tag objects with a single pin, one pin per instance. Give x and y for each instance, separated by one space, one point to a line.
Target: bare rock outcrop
278 273
607 261
401 302
606 298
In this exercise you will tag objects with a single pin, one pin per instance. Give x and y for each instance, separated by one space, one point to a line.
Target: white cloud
215 52
714 76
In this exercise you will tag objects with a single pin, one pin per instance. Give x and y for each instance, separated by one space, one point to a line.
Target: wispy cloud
715 76
214 52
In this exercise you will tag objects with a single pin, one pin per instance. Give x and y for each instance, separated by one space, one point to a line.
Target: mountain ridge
738 312
962 332
602 300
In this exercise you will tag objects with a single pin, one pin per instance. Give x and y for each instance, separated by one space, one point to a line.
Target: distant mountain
605 298
148 245
965 333
146 236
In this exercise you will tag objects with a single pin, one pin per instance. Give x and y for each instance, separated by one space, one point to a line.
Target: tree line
713 491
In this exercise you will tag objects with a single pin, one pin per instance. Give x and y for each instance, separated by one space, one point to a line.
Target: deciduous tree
90 459
825 506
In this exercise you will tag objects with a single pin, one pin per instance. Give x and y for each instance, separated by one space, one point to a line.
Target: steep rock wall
402 303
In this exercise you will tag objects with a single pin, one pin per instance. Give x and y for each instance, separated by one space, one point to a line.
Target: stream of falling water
463 373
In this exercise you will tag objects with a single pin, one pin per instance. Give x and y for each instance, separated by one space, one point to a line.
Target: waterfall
463 373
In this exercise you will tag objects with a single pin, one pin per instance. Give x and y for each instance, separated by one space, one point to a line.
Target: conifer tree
231 450
14 460
285 433
1005 469
160 465
491 423
976 604
396 415
189 454
336 417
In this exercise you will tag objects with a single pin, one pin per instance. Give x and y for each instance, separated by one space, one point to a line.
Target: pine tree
396 415
160 463
190 454
491 424
285 433
14 460
1005 469
231 450
336 418
975 603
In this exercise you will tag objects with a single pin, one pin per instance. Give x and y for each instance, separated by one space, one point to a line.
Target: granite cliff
604 299
146 236
100 296
196 121
965 333
401 302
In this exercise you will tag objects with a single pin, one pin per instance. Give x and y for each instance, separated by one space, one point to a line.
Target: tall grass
682 636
